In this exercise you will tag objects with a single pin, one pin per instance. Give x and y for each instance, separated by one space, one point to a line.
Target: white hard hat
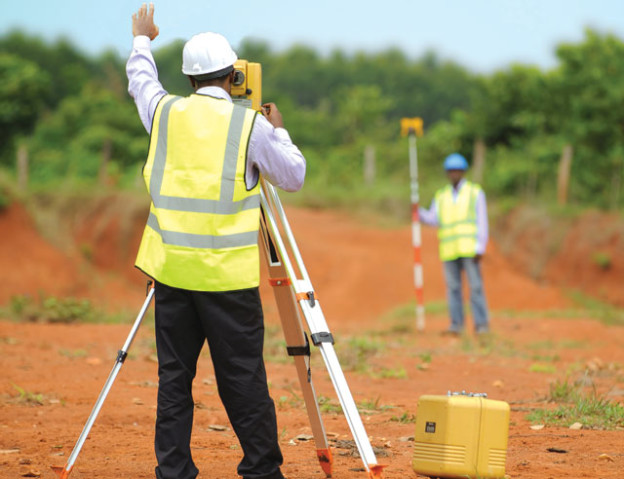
207 53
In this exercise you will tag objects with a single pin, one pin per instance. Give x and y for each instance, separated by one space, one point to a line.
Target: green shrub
52 310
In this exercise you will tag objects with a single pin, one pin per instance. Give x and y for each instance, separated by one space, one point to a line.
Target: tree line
69 116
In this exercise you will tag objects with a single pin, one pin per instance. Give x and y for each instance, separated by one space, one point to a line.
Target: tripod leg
299 348
273 224
322 338
63 472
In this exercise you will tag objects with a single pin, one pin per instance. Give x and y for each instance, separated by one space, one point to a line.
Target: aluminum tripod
295 296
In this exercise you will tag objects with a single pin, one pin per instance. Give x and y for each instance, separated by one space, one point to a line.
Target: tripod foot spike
326 460
376 472
61 472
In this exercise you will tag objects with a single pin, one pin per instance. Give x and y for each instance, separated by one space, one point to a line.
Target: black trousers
233 324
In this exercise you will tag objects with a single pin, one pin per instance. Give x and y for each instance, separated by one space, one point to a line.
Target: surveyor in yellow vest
459 211
200 245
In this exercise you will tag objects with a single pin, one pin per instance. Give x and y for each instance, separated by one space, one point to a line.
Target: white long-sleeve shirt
271 152
430 216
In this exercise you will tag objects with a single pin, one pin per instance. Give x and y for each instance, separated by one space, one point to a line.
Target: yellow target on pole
411 126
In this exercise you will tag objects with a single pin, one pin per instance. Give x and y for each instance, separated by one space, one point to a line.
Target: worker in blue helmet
459 211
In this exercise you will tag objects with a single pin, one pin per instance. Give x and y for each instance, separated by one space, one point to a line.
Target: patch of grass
392 373
592 412
425 357
563 391
293 401
288 401
572 344
602 260
436 307
53 310
356 353
86 250
327 405
405 418
548 358
275 345
545 344
27 397
403 317
373 405
604 312
77 353
542 368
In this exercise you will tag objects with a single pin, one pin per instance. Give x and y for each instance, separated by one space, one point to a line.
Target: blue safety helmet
455 161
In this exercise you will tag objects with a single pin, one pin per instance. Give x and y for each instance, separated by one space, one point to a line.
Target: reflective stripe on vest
457 233
207 239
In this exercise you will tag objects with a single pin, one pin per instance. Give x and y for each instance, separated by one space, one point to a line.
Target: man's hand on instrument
143 22
271 113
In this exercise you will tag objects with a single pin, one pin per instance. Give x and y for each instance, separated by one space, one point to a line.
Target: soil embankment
361 271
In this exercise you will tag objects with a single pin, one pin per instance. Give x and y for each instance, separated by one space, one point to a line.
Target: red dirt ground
52 373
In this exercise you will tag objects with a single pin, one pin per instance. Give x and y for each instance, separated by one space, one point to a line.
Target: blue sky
482 35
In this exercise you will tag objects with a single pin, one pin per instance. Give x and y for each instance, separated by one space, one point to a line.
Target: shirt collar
215 92
459 185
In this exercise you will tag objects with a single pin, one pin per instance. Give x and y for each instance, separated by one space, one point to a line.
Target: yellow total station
247 86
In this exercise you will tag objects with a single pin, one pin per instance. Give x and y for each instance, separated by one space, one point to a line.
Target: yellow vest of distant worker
457 232
202 229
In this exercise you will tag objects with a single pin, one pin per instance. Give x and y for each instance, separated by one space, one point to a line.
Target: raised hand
143 22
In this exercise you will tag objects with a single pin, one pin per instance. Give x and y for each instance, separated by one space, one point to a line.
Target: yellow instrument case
461 436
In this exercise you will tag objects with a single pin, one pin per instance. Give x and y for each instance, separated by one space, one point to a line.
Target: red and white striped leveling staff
412 127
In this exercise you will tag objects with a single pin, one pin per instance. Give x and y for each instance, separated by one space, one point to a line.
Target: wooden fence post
616 182
22 167
107 151
369 165
563 178
478 160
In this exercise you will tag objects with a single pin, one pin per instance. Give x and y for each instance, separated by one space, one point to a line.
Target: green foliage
21 96
542 368
72 112
405 418
52 310
606 313
27 397
392 373
275 345
356 353
602 260
593 412
373 405
327 405
5 201
60 63
67 146
563 391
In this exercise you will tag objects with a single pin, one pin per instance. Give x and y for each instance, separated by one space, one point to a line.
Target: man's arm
143 84
429 216
273 154
482 225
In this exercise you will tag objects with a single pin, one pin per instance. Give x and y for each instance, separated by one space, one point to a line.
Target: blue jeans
478 306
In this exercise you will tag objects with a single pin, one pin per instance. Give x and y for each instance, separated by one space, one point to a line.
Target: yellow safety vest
202 230
457 232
